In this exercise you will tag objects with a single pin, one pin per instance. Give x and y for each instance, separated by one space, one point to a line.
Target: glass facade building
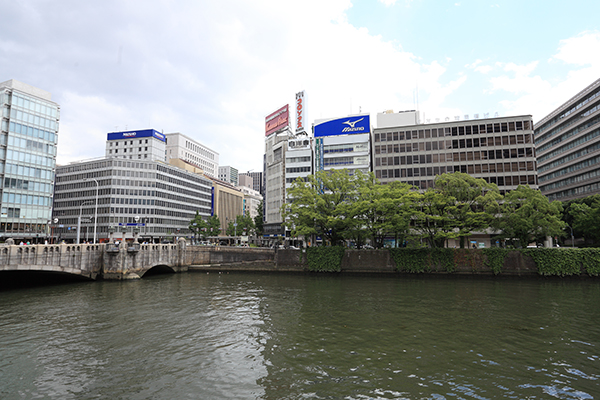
568 147
28 138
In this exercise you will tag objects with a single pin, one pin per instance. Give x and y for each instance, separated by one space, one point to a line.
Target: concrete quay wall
468 262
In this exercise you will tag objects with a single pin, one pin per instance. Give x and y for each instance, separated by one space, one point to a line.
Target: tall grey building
568 147
499 150
29 133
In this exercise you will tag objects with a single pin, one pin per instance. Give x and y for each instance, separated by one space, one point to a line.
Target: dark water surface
252 336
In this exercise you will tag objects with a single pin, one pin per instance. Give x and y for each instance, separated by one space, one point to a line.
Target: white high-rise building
28 137
343 143
145 144
184 148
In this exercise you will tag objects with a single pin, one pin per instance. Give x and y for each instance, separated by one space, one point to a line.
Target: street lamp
79 219
95 208
572 238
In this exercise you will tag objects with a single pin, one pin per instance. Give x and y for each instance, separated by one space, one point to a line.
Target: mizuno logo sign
351 128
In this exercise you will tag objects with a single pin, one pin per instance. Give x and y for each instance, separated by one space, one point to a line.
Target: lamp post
79 219
95 208
572 238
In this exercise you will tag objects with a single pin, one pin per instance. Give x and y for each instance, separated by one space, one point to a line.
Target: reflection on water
252 336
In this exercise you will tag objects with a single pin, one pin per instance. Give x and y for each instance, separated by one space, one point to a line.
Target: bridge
123 261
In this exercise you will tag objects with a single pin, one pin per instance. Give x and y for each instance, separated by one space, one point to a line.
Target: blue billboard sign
344 126
144 133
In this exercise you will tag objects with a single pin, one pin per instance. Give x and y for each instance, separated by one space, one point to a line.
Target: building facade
228 174
499 150
164 199
343 143
184 148
145 144
257 181
568 147
28 138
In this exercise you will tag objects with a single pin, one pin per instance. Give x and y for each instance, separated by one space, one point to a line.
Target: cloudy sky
213 70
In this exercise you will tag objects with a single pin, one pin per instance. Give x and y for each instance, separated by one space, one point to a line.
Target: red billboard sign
277 120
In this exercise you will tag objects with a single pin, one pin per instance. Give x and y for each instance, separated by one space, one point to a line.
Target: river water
274 336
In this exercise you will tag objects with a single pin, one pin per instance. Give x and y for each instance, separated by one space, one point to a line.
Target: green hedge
565 262
548 261
494 258
325 259
423 259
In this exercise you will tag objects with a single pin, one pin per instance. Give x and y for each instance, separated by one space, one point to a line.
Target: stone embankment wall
468 262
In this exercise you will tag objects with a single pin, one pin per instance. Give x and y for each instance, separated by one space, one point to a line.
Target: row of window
567 135
17 198
562 127
13 183
455 157
570 111
580 191
399 173
570 145
32 172
294 160
199 150
488 168
23 157
500 141
33 105
453 131
298 169
31 119
31 145
571 181
575 167
30 131
116 142
569 157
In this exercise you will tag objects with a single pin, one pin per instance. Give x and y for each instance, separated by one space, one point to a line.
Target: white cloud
210 70
539 96
583 49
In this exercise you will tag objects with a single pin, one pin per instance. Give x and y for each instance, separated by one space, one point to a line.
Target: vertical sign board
212 201
300 115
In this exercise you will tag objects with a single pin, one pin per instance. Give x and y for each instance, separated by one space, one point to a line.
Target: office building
298 159
28 138
568 147
145 144
163 197
179 146
257 181
228 174
343 143
277 132
499 150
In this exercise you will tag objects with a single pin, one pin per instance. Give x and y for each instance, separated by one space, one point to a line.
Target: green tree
527 215
198 226
213 226
586 219
258 219
379 210
434 217
476 202
317 206
243 223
